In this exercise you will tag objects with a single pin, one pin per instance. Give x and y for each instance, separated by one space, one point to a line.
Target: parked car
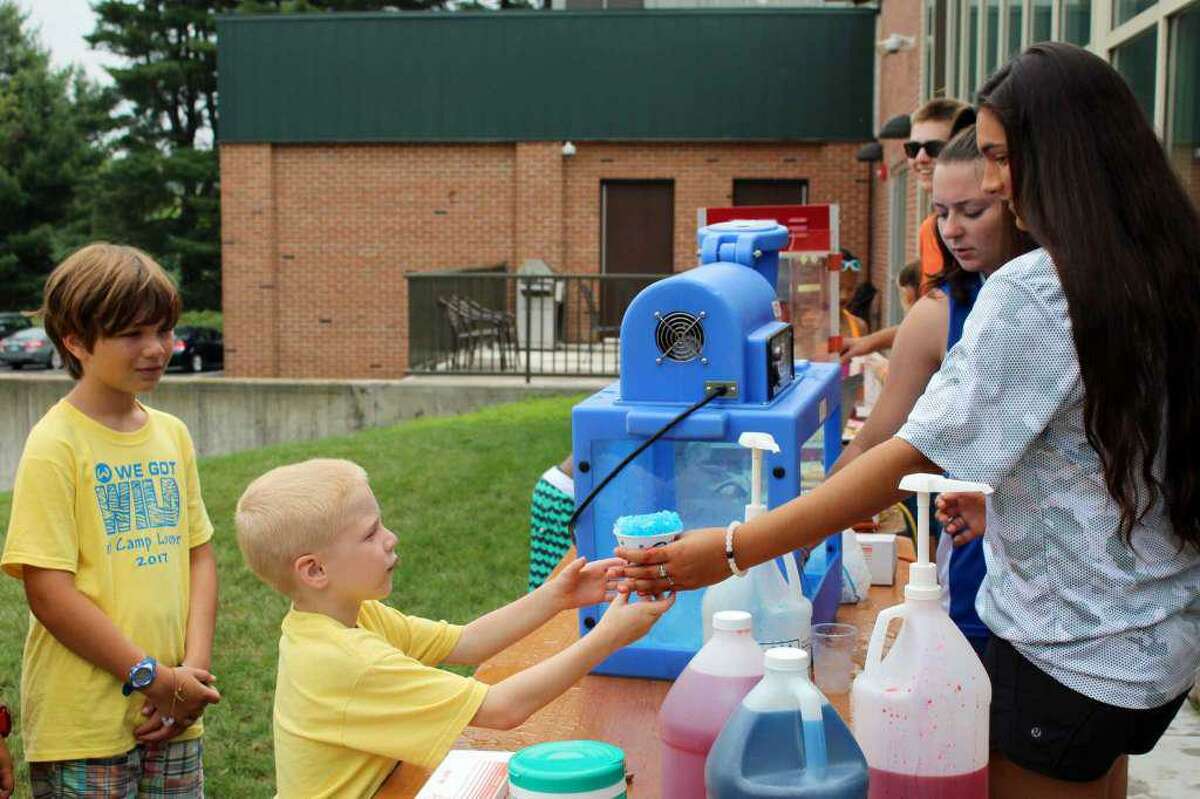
11 322
197 349
30 346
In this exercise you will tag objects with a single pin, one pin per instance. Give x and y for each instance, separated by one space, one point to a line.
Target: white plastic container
702 699
782 614
786 741
879 549
921 713
856 571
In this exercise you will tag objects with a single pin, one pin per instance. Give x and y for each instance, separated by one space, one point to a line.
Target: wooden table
620 710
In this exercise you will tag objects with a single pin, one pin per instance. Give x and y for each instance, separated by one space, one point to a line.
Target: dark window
748 191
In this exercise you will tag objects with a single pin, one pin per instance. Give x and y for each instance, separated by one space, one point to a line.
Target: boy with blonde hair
109 535
357 690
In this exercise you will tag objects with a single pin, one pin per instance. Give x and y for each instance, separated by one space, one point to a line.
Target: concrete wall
230 415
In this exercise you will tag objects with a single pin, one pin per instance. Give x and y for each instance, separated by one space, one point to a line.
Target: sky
63 24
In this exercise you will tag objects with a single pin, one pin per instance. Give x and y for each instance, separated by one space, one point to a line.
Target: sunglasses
931 147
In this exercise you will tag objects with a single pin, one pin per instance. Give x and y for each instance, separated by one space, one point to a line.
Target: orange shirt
931 253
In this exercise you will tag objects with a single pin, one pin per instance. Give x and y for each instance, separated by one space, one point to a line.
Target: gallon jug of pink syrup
921 712
702 699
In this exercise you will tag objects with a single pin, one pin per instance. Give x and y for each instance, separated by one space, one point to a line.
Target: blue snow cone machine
707 345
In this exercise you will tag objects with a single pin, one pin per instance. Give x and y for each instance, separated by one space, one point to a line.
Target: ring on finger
662 571
168 721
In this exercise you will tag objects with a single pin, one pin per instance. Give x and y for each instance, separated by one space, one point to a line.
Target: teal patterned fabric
1118 624
549 538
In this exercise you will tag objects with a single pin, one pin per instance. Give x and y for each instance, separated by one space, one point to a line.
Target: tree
52 123
160 191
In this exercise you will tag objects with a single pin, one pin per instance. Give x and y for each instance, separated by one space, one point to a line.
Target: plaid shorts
171 770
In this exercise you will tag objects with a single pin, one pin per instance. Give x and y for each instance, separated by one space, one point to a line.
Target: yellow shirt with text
352 702
121 512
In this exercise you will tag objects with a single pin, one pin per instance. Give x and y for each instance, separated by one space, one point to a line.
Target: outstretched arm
580 583
866 486
915 358
511 701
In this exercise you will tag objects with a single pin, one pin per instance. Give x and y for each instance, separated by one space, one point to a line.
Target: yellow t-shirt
351 702
121 511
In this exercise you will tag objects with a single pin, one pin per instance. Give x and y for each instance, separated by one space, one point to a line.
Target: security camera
568 149
895 43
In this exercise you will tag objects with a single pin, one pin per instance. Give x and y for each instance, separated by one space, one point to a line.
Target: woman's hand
696 560
963 515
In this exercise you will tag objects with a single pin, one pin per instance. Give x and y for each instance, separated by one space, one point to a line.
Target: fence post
528 329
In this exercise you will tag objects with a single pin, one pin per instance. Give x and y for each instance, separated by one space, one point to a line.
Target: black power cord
712 394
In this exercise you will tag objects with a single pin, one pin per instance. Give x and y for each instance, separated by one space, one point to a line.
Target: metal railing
489 323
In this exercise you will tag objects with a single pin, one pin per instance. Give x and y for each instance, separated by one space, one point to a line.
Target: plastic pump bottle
782 614
786 741
921 713
701 700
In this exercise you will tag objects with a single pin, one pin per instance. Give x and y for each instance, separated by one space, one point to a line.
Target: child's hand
174 701
963 515
582 583
7 781
628 621
855 347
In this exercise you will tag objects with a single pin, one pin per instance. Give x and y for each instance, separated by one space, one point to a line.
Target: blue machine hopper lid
745 226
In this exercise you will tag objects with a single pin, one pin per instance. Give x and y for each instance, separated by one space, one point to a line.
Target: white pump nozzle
929 483
757 443
922 582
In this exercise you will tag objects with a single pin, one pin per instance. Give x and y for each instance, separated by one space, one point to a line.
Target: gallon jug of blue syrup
785 741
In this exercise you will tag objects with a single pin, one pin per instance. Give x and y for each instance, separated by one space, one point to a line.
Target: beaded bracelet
733 567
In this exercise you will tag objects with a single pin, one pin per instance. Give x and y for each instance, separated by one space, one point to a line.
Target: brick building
355 148
953 45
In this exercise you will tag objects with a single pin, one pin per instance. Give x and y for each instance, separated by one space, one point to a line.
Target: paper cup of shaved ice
648 530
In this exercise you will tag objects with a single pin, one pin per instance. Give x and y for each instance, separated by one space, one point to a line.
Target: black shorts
1041 725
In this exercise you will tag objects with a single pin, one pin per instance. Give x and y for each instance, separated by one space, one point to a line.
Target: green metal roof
696 75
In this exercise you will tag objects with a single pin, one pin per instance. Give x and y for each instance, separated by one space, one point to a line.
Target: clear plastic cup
833 656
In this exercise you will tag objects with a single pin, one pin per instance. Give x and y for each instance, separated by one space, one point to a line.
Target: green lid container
567 768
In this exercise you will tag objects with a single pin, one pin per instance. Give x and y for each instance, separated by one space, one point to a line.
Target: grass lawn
456 491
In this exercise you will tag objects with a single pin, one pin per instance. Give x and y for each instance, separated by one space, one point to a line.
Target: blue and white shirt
1118 624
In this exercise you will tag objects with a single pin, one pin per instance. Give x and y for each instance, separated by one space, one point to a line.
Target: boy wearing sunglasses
933 124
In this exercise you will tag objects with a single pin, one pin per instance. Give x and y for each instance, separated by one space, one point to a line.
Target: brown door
637 219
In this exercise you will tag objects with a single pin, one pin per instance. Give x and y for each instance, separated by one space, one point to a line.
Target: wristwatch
5 721
141 674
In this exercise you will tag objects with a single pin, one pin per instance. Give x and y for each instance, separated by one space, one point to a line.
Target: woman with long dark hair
1073 392
977 234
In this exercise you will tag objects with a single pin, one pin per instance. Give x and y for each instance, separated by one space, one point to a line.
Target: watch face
143 675
5 722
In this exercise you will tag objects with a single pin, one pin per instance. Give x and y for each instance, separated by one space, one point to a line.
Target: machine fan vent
679 336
